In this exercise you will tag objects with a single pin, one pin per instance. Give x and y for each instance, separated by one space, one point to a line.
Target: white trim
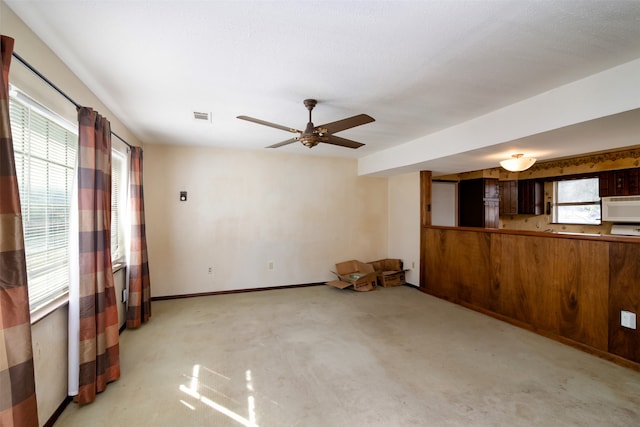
48 308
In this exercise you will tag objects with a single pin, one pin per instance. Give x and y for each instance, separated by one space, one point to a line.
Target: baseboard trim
234 291
51 421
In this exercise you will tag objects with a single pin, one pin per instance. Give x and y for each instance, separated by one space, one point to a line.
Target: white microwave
621 209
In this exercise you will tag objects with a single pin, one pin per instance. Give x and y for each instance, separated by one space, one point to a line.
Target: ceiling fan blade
348 123
280 144
273 125
343 142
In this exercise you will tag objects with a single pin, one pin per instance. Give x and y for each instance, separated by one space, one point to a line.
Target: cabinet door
634 182
620 183
491 213
530 197
508 197
471 203
478 203
491 203
605 187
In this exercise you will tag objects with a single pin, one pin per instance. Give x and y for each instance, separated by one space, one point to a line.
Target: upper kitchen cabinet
624 182
530 197
478 203
521 197
508 197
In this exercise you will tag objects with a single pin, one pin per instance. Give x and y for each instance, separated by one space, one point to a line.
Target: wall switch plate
628 319
183 196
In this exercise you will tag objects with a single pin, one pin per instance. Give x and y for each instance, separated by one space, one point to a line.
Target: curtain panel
99 354
18 406
139 306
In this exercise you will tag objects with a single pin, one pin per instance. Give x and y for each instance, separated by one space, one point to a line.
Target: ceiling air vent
201 116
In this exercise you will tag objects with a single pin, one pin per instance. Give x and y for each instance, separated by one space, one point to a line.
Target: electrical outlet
210 270
270 265
413 264
628 319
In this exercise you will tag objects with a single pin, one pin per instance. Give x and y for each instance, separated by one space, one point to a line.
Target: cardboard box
389 272
361 276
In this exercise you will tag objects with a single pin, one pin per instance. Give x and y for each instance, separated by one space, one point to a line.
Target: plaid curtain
139 308
99 352
18 405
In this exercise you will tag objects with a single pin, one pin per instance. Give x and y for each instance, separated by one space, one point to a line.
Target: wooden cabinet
624 182
530 197
603 186
478 203
521 197
634 181
508 197
620 183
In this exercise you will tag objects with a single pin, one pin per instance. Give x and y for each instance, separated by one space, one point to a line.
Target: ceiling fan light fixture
309 141
518 163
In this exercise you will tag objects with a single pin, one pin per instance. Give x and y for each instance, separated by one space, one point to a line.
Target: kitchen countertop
550 234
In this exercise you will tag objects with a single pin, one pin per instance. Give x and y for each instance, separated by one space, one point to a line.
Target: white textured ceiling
417 67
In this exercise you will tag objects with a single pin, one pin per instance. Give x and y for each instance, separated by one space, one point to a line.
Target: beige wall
246 209
404 223
50 348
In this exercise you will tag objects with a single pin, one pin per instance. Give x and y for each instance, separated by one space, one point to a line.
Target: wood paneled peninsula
568 287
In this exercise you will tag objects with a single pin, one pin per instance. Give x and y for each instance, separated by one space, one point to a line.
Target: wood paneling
425 198
522 286
456 265
624 294
582 274
425 214
556 285
569 288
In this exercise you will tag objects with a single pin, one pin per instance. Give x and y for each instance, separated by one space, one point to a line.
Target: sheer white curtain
74 293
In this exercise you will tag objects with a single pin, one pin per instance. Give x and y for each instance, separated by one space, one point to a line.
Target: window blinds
45 154
117 169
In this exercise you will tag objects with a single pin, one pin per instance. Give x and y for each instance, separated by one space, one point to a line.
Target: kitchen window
576 201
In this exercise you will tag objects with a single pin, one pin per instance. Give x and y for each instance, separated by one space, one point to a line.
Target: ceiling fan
313 135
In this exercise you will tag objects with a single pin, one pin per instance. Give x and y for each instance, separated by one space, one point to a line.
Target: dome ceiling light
518 163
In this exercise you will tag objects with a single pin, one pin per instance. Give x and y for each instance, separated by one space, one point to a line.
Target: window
45 150
576 201
118 193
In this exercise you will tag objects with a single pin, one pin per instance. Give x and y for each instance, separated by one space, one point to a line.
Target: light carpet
320 356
